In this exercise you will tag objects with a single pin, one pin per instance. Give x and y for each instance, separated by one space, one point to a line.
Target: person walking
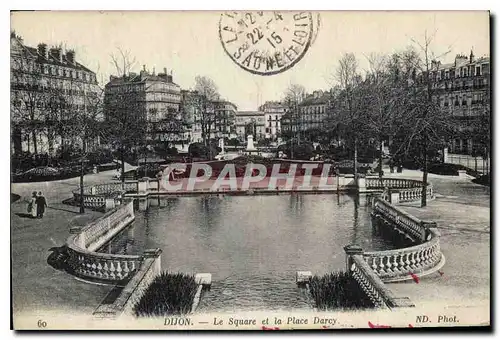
41 203
32 206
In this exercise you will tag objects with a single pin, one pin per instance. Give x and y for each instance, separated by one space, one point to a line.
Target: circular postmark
266 43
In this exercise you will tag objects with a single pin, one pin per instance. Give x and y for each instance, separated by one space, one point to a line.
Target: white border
186 5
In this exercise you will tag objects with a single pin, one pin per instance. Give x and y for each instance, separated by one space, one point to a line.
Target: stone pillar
394 197
143 185
361 183
426 226
350 250
92 190
156 254
445 155
362 198
143 203
110 203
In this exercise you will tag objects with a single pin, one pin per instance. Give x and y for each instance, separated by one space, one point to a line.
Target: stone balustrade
409 224
100 267
378 293
95 196
400 264
134 289
83 245
396 183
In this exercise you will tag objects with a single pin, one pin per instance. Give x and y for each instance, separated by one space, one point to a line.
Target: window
447 74
478 70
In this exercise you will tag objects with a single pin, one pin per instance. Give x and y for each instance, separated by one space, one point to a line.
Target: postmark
266 43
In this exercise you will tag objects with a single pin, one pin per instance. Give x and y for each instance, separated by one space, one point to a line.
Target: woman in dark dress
41 203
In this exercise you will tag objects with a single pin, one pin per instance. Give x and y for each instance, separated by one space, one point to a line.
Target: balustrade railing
400 264
95 196
84 259
407 223
371 284
102 267
399 183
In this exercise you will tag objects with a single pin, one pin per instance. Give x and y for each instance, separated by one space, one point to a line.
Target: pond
252 245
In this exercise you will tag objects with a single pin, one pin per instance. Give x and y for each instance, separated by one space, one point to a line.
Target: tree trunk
356 159
35 146
50 140
380 171
82 207
424 179
122 155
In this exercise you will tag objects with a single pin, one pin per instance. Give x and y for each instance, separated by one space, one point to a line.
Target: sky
187 43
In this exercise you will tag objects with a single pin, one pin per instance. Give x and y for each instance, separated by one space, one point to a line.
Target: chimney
56 53
70 57
143 71
42 50
165 70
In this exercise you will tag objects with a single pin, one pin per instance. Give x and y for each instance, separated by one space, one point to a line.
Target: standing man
41 203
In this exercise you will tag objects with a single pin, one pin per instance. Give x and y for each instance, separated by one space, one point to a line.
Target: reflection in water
253 245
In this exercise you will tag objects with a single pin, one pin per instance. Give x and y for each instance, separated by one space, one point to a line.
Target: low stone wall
133 291
84 259
399 264
372 269
104 196
372 285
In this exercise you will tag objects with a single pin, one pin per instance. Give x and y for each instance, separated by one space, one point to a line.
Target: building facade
463 91
211 119
225 119
251 123
273 111
152 99
308 118
50 90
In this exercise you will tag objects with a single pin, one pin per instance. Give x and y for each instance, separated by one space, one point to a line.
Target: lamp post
82 173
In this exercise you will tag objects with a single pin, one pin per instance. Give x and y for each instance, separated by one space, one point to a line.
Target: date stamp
266 43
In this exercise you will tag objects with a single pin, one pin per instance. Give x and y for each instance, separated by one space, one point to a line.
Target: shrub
168 294
483 180
338 290
447 169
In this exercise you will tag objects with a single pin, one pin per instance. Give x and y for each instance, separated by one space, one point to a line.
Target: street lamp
82 173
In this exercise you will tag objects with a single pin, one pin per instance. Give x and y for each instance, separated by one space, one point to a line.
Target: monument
250 147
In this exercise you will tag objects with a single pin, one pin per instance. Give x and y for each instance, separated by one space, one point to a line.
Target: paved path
462 211
36 286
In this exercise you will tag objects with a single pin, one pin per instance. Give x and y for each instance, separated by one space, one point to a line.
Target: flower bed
168 294
338 290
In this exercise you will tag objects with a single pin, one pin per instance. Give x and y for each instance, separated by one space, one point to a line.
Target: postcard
250 170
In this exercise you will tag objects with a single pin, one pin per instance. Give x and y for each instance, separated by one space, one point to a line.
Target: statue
250 146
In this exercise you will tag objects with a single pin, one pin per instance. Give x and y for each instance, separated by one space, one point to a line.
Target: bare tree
386 97
293 96
348 77
82 122
27 94
430 125
123 61
203 102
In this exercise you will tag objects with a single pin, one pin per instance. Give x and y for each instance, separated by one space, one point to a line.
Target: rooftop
48 58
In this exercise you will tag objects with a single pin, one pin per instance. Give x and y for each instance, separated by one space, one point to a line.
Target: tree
125 116
386 94
202 101
349 118
429 125
27 94
293 96
123 61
